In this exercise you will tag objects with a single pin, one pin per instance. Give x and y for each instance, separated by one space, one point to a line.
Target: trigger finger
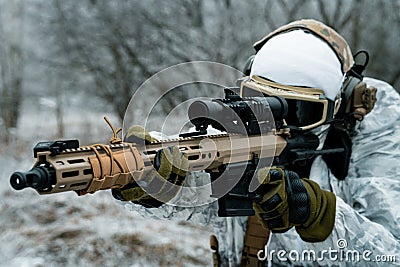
276 174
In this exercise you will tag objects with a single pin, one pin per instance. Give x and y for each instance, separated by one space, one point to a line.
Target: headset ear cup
347 93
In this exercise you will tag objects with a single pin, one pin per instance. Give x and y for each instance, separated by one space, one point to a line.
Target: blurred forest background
55 53
66 64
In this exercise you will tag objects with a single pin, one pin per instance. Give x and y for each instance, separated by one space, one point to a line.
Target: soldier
346 203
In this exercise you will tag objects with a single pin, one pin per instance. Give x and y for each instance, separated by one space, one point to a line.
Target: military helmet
326 33
305 62
312 67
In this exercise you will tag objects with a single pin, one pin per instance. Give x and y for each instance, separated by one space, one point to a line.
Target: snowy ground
93 230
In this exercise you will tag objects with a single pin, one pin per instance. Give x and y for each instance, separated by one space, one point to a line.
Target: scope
39 178
253 112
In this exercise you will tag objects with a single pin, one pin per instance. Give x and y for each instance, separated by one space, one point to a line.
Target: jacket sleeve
373 182
367 208
190 204
354 241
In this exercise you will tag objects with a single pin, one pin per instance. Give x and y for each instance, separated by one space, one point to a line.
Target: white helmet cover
299 58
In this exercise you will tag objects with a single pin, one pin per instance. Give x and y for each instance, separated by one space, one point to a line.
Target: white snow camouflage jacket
367 222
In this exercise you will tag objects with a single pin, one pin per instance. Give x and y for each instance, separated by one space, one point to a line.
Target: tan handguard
101 167
125 166
92 168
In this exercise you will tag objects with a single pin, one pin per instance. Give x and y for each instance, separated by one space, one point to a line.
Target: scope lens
197 110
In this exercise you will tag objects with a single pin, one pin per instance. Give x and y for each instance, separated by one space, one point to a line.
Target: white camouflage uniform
367 209
367 201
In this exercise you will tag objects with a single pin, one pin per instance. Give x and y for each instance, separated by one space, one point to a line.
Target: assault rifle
250 139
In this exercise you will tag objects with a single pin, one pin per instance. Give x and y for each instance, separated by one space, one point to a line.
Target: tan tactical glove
137 134
164 182
290 201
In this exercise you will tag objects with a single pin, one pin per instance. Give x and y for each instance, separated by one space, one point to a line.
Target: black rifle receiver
254 116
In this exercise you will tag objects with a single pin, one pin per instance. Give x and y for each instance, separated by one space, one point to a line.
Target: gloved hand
137 134
290 201
164 182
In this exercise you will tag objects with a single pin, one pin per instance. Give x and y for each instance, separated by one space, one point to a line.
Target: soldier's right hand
288 201
163 182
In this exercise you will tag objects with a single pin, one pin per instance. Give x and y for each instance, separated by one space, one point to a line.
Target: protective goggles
307 107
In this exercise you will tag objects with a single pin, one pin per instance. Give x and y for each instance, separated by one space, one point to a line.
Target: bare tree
111 47
120 44
11 64
368 25
95 41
